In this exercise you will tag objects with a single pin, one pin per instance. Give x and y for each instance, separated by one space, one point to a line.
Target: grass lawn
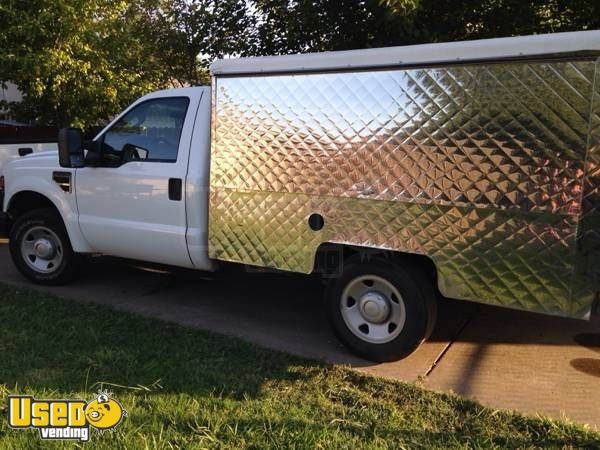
190 389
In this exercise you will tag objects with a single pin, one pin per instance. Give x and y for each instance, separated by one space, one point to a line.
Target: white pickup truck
466 168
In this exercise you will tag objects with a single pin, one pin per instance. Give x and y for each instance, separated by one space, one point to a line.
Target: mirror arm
94 152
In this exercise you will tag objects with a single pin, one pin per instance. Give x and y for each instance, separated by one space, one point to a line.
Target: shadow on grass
55 344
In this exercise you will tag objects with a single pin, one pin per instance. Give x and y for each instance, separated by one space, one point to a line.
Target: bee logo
104 413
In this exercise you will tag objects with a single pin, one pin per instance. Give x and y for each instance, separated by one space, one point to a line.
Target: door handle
25 151
175 188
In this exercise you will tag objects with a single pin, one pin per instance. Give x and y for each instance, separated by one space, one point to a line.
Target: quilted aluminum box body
484 168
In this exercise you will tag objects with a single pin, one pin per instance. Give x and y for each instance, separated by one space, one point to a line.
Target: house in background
20 139
10 93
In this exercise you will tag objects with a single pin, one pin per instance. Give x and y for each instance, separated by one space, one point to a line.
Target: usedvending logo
65 419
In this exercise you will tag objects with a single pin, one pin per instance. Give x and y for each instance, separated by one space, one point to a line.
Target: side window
149 132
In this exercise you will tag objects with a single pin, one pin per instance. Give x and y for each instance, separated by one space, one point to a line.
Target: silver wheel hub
42 250
373 309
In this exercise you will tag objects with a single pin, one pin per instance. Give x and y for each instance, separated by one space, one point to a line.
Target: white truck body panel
33 174
580 42
197 186
125 211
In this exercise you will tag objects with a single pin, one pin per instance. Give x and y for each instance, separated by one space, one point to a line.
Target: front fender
65 202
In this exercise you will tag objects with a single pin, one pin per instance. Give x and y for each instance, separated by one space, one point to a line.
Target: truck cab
144 180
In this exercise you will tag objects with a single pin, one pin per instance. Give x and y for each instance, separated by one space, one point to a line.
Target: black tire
49 219
418 296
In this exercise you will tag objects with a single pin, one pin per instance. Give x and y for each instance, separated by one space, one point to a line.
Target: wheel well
330 258
26 201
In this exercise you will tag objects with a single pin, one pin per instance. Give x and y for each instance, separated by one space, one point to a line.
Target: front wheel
40 248
379 310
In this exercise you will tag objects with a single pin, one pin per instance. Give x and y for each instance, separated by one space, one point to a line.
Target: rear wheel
40 248
380 310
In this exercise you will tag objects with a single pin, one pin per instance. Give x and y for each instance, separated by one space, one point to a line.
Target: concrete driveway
504 359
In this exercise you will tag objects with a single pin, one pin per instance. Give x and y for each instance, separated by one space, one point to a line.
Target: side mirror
134 153
70 150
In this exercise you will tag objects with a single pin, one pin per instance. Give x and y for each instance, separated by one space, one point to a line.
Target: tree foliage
194 32
319 25
478 19
305 25
80 61
76 61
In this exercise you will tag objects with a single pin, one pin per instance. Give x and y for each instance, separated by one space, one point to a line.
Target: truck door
133 204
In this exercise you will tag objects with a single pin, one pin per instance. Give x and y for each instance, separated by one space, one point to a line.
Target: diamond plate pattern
591 192
587 279
479 167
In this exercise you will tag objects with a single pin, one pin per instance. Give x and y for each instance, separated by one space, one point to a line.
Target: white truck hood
46 158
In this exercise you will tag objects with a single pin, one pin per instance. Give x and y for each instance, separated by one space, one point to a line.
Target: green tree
291 26
81 61
195 32
76 61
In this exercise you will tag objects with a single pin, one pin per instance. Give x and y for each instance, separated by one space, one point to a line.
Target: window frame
100 138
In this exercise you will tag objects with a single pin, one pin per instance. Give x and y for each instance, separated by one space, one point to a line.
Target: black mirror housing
70 148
